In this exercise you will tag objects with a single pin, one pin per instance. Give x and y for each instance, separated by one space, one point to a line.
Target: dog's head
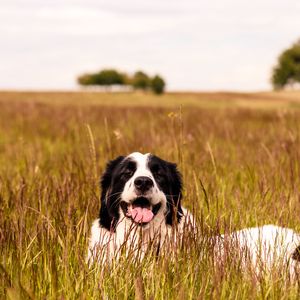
142 188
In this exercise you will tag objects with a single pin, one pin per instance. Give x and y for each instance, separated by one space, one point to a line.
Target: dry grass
219 100
239 156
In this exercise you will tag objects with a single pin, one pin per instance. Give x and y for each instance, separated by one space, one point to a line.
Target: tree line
111 77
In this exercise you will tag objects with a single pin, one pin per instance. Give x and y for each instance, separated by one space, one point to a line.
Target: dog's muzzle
140 210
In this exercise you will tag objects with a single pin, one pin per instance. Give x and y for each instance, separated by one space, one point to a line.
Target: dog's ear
174 212
106 220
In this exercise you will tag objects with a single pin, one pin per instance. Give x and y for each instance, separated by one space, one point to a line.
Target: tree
140 81
110 77
87 79
157 85
106 77
287 70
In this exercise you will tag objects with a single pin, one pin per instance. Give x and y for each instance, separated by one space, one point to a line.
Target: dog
141 205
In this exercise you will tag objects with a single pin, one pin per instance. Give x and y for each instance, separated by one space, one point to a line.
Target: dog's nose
143 183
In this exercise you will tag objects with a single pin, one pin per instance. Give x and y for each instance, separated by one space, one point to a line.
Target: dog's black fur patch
109 216
169 181
120 170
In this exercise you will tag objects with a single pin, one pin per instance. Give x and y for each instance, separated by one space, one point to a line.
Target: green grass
239 156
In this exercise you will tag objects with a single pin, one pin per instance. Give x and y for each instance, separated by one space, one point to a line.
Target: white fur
105 245
261 248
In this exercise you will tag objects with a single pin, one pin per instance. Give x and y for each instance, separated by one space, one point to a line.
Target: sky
195 45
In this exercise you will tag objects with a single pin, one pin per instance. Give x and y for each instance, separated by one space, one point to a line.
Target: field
239 156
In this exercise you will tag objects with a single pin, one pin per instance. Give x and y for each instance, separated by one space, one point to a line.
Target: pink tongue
142 215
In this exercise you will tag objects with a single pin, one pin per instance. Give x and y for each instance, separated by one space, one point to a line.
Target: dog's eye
128 173
158 172
128 170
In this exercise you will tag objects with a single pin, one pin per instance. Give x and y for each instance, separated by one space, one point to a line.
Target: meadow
239 156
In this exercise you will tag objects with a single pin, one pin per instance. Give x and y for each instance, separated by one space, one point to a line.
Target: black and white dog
141 202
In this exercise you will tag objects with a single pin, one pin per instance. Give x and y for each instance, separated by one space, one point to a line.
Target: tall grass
240 168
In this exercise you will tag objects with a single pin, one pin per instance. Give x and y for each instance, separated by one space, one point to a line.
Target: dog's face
142 188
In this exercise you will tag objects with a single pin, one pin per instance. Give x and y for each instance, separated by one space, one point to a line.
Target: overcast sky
193 44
